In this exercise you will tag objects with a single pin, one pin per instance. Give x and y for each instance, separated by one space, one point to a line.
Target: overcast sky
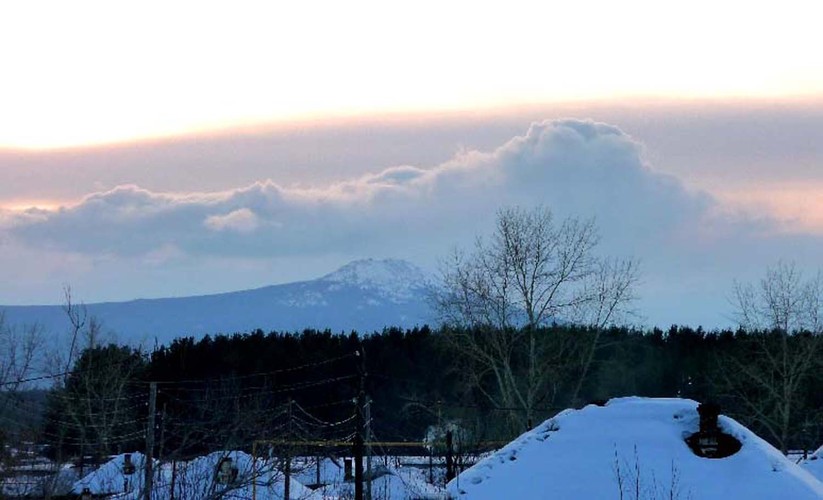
151 152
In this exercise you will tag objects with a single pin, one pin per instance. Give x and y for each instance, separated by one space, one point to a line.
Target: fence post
449 456
149 459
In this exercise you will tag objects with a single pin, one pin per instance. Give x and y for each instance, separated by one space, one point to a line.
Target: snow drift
201 478
814 464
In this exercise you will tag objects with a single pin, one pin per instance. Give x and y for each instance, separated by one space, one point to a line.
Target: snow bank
197 478
389 482
112 477
47 479
331 471
814 464
639 443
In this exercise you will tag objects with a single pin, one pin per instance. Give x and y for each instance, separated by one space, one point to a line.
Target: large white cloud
576 167
688 244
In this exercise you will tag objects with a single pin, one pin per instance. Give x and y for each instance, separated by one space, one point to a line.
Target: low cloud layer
576 167
579 168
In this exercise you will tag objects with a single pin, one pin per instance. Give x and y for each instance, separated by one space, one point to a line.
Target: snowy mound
389 482
394 483
118 475
327 471
241 477
637 445
814 464
203 477
392 277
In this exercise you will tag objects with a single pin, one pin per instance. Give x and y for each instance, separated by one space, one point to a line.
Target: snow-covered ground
112 476
388 483
33 476
631 448
637 443
197 478
259 479
814 464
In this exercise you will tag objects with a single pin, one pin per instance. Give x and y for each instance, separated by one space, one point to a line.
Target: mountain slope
364 295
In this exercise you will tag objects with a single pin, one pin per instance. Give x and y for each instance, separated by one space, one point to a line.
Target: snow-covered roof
639 443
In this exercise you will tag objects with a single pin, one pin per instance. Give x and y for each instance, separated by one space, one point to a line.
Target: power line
474 406
34 379
71 372
257 392
251 375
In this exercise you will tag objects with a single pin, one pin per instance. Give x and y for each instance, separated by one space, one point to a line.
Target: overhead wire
250 375
179 391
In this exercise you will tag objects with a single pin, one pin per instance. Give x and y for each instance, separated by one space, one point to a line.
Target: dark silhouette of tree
98 411
768 371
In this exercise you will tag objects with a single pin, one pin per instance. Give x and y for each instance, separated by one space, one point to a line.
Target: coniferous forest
230 391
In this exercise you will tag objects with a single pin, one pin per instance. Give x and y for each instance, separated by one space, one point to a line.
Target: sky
162 149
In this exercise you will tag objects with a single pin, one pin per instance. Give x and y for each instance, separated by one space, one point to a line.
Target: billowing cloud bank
575 167
580 168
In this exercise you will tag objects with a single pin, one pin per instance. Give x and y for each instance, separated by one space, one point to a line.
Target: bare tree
532 271
526 274
92 409
21 362
782 300
609 292
636 482
20 348
782 347
98 412
21 366
81 325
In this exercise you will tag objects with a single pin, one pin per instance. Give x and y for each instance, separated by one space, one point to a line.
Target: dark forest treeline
230 391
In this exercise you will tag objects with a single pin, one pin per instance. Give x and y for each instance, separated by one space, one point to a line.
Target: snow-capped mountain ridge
366 295
392 278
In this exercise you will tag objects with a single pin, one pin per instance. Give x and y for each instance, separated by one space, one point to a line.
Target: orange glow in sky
799 207
80 73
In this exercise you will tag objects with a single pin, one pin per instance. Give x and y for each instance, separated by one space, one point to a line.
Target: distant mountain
364 295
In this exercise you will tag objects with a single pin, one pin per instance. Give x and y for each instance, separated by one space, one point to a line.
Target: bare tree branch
531 272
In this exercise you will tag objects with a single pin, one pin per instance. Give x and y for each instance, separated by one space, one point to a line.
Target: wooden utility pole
287 468
368 449
173 474
450 472
162 434
149 464
358 434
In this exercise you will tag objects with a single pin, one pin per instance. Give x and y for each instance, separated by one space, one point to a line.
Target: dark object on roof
710 441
